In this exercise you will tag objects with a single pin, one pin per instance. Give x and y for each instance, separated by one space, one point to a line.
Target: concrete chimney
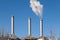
12 25
29 27
41 27
12 28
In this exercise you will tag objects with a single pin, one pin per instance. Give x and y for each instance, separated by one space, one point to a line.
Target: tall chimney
29 27
12 25
41 27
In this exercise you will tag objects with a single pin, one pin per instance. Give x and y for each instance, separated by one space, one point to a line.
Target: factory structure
12 36
36 6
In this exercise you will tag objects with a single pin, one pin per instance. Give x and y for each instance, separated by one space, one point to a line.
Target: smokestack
29 26
12 25
41 27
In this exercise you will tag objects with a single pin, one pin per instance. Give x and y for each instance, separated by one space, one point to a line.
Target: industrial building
12 36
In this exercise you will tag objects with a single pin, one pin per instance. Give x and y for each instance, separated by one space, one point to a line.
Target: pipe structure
41 27
12 25
29 26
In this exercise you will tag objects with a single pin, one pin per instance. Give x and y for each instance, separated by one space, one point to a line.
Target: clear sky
21 10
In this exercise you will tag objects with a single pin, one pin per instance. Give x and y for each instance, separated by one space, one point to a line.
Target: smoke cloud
36 7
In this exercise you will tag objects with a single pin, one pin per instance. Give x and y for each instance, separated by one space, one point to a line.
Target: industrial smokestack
41 27
12 25
29 26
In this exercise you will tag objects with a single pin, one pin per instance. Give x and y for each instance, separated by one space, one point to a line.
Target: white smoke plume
36 7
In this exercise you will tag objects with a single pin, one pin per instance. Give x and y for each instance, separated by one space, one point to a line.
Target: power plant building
29 37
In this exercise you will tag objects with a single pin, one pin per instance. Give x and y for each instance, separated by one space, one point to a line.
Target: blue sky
21 10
